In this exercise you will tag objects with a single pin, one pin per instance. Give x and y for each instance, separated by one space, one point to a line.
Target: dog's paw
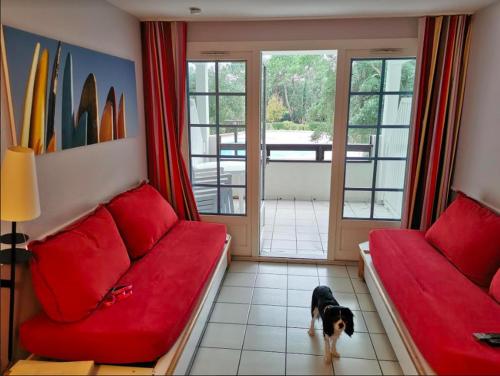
327 358
311 332
335 354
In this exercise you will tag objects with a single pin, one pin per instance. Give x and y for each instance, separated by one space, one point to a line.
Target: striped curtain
164 72
440 82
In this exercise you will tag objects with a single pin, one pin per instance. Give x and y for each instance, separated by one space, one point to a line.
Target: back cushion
143 216
468 234
495 286
74 269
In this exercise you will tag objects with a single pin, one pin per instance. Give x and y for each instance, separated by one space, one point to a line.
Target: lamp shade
19 186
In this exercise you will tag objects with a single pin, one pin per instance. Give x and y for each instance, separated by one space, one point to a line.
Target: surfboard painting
65 96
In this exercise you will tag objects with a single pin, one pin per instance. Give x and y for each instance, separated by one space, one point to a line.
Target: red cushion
143 216
495 286
74 269
439 305
166 284
468 234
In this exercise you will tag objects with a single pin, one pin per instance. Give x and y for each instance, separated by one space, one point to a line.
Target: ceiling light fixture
194 10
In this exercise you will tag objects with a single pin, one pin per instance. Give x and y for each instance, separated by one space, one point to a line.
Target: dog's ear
349 322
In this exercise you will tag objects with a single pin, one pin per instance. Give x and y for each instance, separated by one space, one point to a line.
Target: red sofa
432 288
135 240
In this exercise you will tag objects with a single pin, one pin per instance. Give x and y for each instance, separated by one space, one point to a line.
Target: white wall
295 30
477 169
73 181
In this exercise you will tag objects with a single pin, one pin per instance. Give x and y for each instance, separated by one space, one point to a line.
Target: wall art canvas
65 96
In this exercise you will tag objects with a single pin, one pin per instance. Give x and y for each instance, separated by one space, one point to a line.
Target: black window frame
377 127
218 156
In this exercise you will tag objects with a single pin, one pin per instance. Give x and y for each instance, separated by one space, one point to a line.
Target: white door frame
245 230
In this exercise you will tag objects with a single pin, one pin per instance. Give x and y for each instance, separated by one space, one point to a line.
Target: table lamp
19 202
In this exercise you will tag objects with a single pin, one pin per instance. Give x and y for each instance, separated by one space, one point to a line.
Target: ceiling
224 10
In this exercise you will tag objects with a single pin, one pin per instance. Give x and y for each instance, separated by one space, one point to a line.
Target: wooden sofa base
410 358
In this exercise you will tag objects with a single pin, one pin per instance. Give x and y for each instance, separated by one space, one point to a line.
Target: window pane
399 75
204 170
203 140
390 174
361 142
232 142
388 205
396 109
328 155
202 109
232 110
357 204
359 174
363 110
393 142
232 200
365 75
206 199
232 77
232 172
201 77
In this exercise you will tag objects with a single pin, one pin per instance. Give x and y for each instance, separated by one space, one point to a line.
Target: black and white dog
336 319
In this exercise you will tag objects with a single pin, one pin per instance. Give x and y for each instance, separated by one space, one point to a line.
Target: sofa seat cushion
468 234
440 306
495 287
143 216
166 286
74 269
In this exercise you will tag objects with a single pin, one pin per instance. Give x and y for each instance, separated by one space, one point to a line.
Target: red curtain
443 56
164 72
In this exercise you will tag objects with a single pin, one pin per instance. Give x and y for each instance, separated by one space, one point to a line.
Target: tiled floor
296 229
260 319
299 229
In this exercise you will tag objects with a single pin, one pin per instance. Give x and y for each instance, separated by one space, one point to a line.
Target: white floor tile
390 368
383 347
283 244
298 341
262 363
298 317
273 281
265 338
309 236
230 294
216 362
301 364
337 284
300 298
299 282
285 228
265 243
373 322
307 228
267 235
357 346
349 366
243 267
366 302
239 279
228 336
309 245
284 236
230 313
267 315
347 300
359 323
272 268
332 271
359 286
269 296
301 269
353 272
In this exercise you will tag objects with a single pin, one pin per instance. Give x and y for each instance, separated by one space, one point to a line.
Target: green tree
275 109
